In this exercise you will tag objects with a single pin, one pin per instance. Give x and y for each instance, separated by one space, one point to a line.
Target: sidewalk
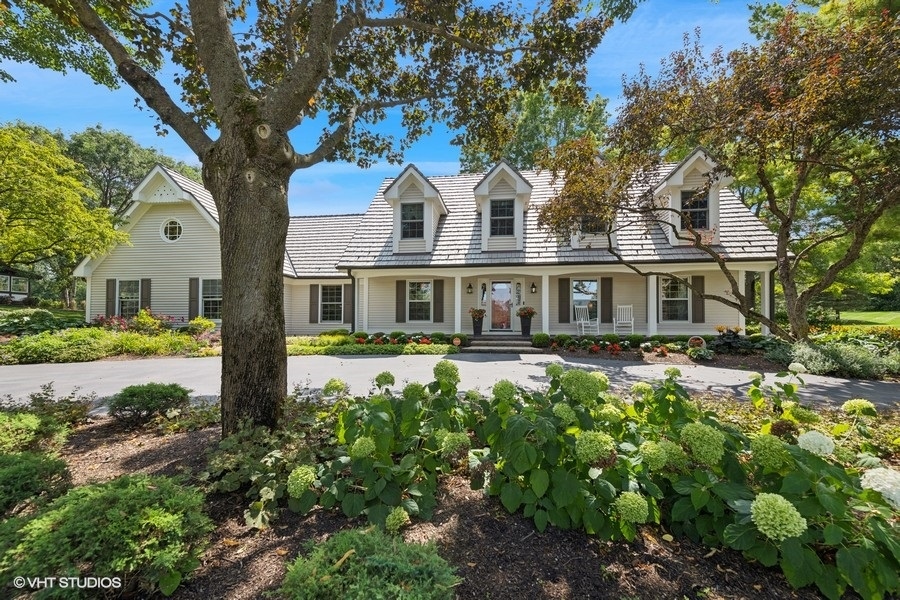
477 371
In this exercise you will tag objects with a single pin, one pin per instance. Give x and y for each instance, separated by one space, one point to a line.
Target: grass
57 312
871 318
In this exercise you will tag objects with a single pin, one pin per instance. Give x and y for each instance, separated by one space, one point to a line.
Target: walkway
477 371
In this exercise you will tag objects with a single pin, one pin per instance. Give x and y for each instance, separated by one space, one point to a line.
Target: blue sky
73 102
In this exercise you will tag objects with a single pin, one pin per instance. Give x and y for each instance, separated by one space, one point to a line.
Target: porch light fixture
469 289
533 288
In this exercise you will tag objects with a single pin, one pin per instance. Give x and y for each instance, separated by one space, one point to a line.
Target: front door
501 305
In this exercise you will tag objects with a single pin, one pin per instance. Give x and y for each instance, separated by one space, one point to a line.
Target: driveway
477 371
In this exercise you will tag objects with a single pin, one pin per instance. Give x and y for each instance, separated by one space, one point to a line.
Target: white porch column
742 287
652 303
457 304
88 315
545 304
764 293
362 308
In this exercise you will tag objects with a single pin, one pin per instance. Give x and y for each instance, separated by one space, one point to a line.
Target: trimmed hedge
372 349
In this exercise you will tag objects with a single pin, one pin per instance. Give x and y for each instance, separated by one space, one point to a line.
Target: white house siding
716 312
297 307
381 303
169 265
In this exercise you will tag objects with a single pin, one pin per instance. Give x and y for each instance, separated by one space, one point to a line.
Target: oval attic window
171 230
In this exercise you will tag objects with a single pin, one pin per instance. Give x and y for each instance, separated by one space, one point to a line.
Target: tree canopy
42 202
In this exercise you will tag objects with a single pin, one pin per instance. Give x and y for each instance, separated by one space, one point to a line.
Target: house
15 285
430 248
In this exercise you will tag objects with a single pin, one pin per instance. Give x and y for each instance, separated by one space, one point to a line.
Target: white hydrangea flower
796 367
886 481
816 442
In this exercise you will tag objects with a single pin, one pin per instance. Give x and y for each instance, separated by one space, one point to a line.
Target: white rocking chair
584 322
624 320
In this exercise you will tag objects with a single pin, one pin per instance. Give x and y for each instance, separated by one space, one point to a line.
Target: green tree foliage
536 122
805 122
331 70
42 202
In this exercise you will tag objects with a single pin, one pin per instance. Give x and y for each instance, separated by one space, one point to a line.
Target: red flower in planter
614 349
594 349
393 340
379 341
425 340
360 340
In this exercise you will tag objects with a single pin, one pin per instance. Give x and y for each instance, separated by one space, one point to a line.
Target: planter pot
526 326
476 326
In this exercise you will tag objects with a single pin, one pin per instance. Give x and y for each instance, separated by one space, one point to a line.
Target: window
332 301
4 283
594 225
584 293
503 217
412 221
419 300
171 230
129 298
211 299
19 285
695 210
674 300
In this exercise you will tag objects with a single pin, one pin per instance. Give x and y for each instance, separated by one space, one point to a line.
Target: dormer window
412 221
503 217
594 225
694 210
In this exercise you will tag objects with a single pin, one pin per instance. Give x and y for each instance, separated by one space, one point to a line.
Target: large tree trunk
250 190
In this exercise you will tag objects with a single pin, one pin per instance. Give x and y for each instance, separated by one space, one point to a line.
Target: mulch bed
497 555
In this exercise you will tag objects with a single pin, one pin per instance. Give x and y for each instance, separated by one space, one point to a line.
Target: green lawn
871 318
57 312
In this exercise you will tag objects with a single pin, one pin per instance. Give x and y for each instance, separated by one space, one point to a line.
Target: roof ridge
332 215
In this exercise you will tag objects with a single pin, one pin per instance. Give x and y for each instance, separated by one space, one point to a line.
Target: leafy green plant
540 340
148 530
699 353
188 418
18 431
137 404
200 325
148 323
31 321
27 477
356 564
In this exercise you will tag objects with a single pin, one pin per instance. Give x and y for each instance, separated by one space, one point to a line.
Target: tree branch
439 32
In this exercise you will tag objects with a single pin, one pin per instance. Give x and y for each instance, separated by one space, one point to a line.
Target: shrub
148 323
359 334
540 340
439 338
463 339
353 564
336 332
634 340
60 411
698 353
150 531
30 321
18 431
137 404
200 325
611 338
27 475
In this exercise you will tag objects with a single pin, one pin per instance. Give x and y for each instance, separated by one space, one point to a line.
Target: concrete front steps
501 344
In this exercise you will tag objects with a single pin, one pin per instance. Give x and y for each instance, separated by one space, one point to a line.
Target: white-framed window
4 283
675 300
129 297
585 293
19 285
412 220
594 225
171 230
418 301
694 210
331 300
503 219
211 299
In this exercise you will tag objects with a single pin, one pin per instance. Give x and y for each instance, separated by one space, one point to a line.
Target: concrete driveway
478 371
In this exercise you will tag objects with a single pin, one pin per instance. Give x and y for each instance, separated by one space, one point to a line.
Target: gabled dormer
691 195
502 197
417 207
594 233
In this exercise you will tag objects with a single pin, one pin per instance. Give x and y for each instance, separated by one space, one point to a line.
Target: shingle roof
457 241
314 244
200 193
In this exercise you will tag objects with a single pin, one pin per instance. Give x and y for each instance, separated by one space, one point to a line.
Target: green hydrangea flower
335 387
504 390
300 479
564 413
654 455
859 407
447 372
362 448
592 446
395 520
456 443
384 379
676 457
796 367
554 370
707 444
415 392
673 373
776 518
632 507
580 387
816 442
769 452
642 388
610 414
602 378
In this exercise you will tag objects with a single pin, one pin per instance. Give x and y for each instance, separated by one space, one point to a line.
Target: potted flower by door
477 319
526 313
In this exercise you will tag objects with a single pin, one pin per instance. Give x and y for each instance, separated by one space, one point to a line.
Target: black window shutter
145 293
437 301
565 311
193 297
698 305
400 315
314 303
110 297
606 307
348 303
